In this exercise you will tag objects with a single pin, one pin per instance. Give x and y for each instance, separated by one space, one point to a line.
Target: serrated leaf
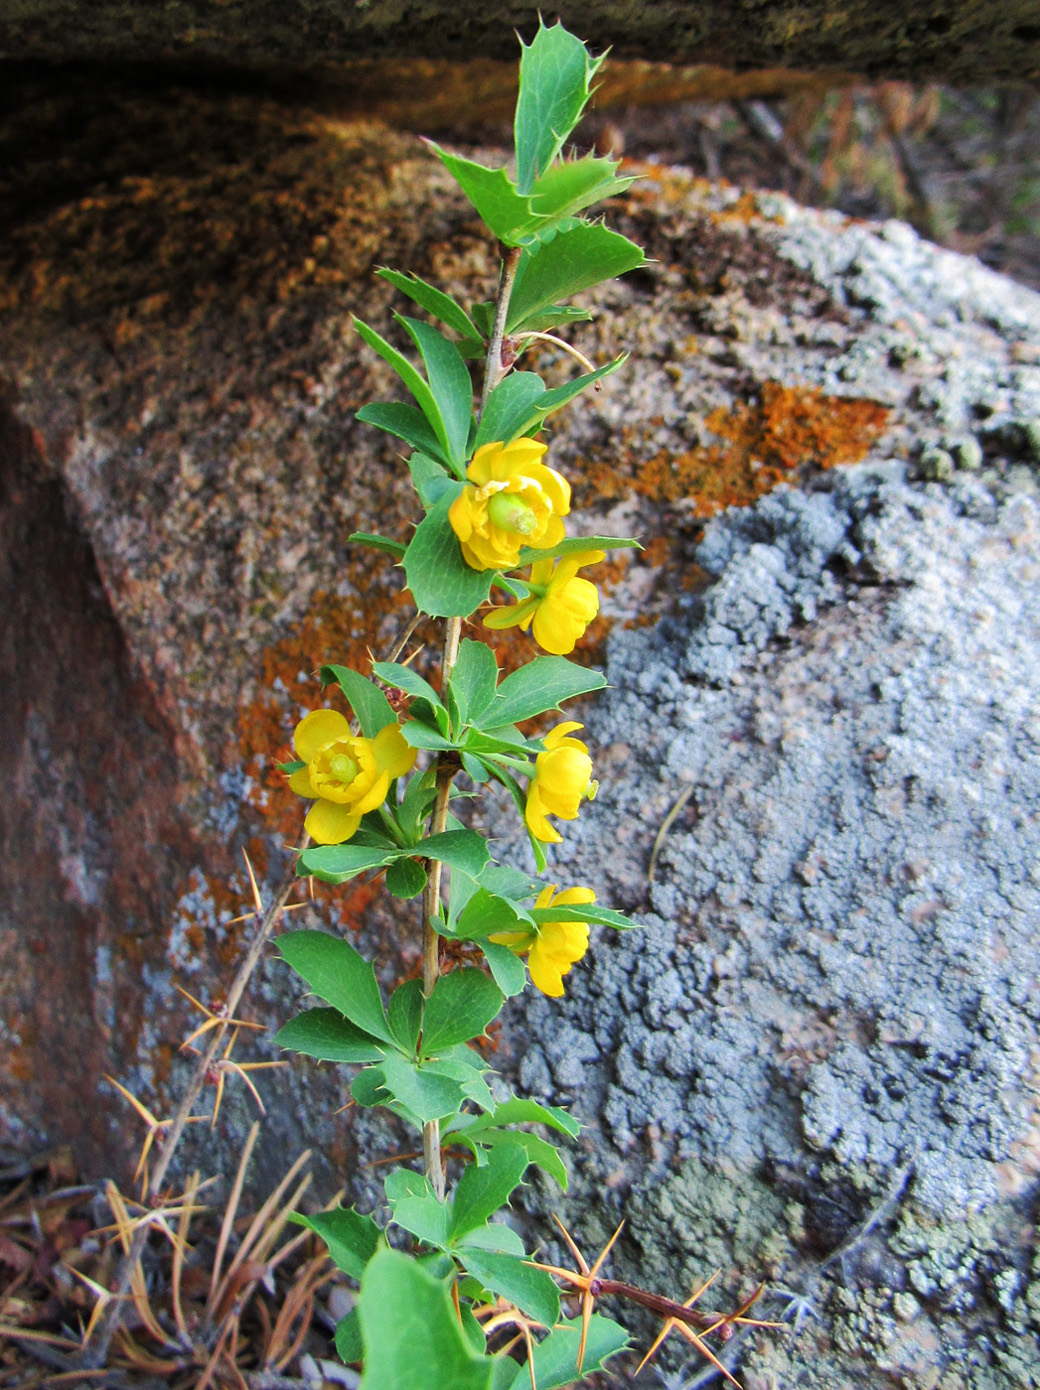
418 734
569 187
433 300
555 72
539 1151
427 1091
519 1111
368 702
352 1238
411 1332
496 1235
510 408
556 1356
486 913
416 1209
460 1007
492 193
543 684
555 317
560 396
449 381
341 863
473 679
573 261
404 1013
532 1290
482 1191
340 975
405 878
441 582
327 1036
429 479
405 422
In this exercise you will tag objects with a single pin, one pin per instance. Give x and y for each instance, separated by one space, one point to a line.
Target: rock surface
833 1009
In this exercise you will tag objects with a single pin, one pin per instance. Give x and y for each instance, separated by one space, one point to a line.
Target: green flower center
511 513
343 768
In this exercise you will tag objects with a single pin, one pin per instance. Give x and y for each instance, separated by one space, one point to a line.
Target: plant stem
447 766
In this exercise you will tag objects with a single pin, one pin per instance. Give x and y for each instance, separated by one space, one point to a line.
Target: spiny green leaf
574 544
532 1290
411 1331
349 1347
460 849
460 1008
510 408
435 301
555 72
404 1014
366 700
327 1036
429 479
428 1091
405 878
556 1356
416 1209
573 261
492 193
567 188
507 969
340 863
482 1191
384 543
404 678
340 975
587 912
473 679
412 378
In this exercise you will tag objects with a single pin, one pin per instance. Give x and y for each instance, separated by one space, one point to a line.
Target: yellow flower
347 774
560 606
553 946
511 500
562 781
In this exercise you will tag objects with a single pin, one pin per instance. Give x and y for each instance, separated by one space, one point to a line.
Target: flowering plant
481 1315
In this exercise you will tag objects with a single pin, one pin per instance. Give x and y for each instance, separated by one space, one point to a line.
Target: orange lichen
768 439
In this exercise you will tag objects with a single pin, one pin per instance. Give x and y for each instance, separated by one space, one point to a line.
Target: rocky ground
816 1066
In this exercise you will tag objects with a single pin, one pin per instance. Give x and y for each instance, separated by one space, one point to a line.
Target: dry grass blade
229 1211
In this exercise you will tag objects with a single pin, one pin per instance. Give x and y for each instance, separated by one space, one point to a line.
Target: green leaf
505 777
529 556
483 1190
558 315
539 1151
404 1013
349 1346
507 969
556 1356
474 769
413 379
419 735
384 543
340 863
327 1036
572 261
567 188
352 1238
368 702
496 1236
450 383
429 479
433 300
492 193
405 422
441 582
428 1091
560 395
510 408
411 1331
342 977
486 913
459 849
474 679
518 1111
405 878
404 678
555 71
460 1008
416 1209
532 1290
541 685
588 912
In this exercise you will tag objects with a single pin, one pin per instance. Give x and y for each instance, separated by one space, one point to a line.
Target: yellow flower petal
534 815
316 729
393 756
559 732
375 796
328 823
300 783
546 975
519 615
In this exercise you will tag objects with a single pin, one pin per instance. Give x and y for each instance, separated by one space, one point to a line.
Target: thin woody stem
447 766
